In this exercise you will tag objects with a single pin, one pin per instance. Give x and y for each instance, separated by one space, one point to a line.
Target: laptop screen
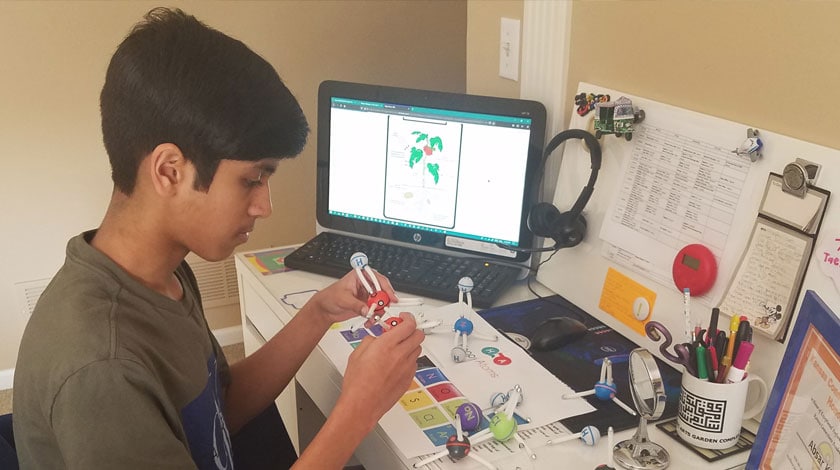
442 170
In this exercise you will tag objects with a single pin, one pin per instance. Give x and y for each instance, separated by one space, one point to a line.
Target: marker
744 333
734 322
720 345
702 371
711 333
730 346
692 359
713 362
737 372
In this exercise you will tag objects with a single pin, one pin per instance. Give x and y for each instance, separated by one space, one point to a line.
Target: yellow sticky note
625 298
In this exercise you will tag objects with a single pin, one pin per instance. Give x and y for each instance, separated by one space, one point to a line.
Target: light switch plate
509 49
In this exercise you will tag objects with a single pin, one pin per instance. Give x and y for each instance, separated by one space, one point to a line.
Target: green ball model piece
502 427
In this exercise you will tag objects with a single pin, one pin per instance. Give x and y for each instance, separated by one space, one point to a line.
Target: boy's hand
380 370
347 297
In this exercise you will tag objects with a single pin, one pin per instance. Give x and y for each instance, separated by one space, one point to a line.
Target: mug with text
710 414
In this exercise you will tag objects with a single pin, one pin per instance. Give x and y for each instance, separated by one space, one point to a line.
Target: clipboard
770 273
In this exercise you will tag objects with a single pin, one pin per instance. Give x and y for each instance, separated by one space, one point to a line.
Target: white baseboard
6 378
229 335
225 337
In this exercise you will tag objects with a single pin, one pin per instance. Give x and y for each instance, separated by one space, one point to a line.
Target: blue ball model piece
605 390
462 325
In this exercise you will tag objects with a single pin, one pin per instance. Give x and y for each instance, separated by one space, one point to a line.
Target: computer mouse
557 332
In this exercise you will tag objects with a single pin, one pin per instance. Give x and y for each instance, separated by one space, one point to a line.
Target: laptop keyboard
410 270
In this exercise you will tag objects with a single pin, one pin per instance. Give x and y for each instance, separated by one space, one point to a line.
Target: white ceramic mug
711 414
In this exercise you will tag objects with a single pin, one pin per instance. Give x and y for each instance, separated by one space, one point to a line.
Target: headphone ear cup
569 228
543 219
569 231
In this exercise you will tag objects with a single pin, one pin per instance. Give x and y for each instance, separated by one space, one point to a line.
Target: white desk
318 384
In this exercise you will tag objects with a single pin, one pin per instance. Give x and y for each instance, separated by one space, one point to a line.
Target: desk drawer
259 313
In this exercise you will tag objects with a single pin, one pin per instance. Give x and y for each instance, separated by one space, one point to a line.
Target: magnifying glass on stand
639 453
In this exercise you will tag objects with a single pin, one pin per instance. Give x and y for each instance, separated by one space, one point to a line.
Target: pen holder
711 414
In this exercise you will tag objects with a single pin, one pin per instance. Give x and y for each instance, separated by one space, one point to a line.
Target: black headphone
567 229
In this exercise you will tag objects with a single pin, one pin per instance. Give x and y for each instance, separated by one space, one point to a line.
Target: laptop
446 174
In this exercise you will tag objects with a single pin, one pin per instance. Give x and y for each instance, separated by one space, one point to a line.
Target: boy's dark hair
174 79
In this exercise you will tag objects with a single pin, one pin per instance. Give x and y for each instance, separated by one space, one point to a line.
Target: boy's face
223 217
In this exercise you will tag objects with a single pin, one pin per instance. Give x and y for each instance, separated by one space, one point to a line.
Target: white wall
55 178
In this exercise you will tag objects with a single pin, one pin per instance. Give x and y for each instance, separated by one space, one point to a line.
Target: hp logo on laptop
417 237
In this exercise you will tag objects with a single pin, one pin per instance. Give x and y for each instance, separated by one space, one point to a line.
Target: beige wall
768 64
773 65
55 180
483 31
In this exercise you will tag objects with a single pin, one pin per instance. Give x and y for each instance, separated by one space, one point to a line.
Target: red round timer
695 268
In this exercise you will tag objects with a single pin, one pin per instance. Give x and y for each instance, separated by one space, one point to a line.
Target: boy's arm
378 373
257 380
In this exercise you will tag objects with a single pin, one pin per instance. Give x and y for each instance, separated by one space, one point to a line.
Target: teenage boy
117 367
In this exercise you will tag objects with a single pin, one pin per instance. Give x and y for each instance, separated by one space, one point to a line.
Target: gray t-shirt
112 374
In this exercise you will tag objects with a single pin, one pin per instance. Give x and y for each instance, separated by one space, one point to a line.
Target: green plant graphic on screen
424 153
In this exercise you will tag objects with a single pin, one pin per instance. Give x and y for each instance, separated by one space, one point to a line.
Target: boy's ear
169 169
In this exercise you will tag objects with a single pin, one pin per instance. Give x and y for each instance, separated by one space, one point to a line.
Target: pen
687 314
743 331
733 333
713 362
711 333
738 369
734 321
711 370
702 370
720 344
692 358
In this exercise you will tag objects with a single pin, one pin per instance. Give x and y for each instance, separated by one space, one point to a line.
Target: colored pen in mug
730 347
713 362
702 370
720 345
711 333
743 329
710 371
737 371
692 359
697 333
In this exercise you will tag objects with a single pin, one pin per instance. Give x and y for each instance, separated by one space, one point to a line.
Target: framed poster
801 423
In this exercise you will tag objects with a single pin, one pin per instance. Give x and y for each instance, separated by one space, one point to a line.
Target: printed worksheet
676 190
421 421
421 177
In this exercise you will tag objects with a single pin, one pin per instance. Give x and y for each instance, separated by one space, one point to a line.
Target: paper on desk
476 379
508 454
480 378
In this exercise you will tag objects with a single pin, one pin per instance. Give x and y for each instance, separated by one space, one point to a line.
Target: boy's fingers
387 287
